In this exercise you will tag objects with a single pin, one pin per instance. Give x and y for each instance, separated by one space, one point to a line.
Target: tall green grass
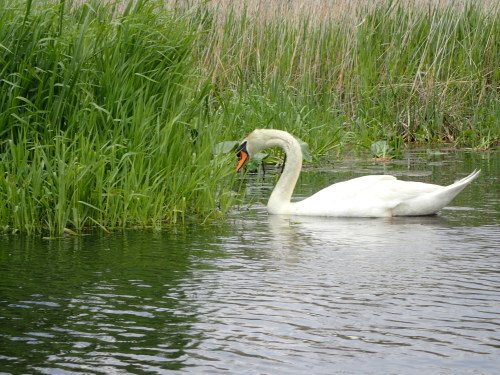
102 121
110 112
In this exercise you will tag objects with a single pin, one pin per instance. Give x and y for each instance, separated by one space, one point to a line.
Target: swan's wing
370 196
357 197
375 196
352 188
398 191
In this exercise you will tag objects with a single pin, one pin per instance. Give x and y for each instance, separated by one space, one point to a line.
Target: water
258 294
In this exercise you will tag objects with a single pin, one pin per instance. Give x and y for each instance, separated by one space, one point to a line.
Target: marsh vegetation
111 113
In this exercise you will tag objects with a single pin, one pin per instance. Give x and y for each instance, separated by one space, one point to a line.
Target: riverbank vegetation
111 113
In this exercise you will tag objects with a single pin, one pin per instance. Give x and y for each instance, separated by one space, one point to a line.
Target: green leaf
256 161
225 147
305 150
381 149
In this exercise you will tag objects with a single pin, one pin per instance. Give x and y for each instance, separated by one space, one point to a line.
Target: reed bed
349 72
111 112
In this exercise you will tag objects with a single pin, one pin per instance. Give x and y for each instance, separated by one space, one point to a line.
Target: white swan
368 196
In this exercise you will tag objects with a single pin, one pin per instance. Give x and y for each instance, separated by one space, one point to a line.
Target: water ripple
260 295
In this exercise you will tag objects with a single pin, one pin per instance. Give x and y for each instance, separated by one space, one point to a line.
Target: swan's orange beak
243 155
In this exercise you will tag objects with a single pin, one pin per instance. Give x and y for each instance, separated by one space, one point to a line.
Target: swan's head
256 141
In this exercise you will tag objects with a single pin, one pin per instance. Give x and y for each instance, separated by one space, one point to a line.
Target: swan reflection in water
397 233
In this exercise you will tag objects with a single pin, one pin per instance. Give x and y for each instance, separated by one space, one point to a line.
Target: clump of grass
102 120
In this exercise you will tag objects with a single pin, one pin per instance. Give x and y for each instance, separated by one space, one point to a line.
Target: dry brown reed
321 10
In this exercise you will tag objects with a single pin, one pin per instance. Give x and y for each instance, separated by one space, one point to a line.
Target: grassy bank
110 114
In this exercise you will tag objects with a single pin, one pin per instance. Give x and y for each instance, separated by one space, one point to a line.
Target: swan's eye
241 147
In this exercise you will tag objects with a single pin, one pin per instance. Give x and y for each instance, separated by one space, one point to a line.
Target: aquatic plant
102 120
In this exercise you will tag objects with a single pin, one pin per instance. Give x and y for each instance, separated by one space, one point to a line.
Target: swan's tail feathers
431 203
451 191
467 180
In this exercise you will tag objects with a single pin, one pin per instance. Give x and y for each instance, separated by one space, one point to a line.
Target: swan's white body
368 196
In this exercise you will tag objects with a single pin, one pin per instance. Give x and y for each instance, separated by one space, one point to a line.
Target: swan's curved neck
282 193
